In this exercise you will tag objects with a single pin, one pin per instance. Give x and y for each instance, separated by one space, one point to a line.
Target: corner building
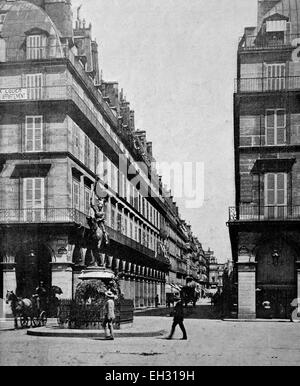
265 223
61 127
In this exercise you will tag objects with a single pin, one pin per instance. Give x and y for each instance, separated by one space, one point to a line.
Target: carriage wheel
43 318
24 321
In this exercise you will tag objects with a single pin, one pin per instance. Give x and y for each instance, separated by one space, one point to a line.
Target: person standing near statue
109 315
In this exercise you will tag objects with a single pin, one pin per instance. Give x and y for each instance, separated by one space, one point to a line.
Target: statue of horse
19 307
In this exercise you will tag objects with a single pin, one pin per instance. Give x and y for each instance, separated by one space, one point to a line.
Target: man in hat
178 319
109 315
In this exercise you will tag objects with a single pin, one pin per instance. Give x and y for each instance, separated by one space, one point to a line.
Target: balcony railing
276 84
69 216
264 213
60 93
44 215
254 42
60 51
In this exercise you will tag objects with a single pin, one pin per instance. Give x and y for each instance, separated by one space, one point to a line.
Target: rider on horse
99 213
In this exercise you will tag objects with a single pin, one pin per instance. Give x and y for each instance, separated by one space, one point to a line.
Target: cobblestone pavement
210 342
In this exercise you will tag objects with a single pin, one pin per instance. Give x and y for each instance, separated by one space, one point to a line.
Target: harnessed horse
19 307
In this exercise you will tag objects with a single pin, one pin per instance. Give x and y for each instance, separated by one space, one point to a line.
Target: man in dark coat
178 319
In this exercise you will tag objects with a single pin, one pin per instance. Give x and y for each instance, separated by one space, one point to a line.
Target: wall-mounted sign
13 94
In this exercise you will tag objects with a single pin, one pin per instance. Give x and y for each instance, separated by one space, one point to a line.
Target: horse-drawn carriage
189 294
33 311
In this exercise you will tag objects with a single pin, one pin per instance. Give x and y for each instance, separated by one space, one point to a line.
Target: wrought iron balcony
265 42
44 215
265 84
264 213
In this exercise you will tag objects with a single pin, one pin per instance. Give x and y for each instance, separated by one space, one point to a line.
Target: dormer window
276 25
36 46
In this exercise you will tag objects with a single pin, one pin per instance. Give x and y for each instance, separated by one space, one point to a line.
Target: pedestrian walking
178 319
156 300
109 315
41 294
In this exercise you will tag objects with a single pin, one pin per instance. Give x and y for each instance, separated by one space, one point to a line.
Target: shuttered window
34 133
275 76
275 194
36 47
275 127
76 202
34 198
87 196
34 84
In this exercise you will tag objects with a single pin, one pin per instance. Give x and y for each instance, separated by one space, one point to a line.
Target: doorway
275 279
32 266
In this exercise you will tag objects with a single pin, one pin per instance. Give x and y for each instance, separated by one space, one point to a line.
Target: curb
64 333
257 320
7 329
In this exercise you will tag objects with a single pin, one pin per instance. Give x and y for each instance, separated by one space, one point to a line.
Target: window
87 151
275 194
34 84
33 198
113 217
36 47
76 139
87 196
34 133
131 230
96 163
276 26
76 202
275 127
275 77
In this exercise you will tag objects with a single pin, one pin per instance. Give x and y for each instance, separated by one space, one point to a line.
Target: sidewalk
6 324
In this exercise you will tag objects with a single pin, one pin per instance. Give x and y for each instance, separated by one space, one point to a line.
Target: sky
176 61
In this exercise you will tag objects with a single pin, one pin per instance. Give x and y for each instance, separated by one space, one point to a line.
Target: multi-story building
62 128
215 271
264 225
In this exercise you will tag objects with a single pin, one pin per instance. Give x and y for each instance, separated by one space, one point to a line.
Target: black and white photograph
149 186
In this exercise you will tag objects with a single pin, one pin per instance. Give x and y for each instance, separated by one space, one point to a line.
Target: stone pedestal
62 276
247 290
9 284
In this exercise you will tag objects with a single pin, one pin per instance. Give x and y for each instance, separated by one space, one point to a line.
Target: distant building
264 225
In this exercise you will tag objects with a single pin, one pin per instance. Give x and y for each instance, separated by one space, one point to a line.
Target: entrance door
275 195
276 278
33 266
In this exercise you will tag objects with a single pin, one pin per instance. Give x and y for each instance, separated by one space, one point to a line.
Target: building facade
265 223
62 128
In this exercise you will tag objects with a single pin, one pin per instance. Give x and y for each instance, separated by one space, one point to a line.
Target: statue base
98 273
